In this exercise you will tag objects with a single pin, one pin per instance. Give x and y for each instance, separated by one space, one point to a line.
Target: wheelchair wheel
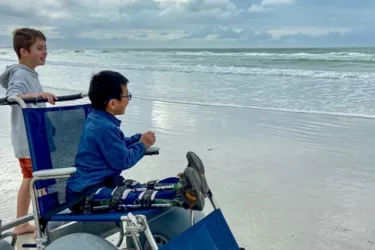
79 241
5 245
159 239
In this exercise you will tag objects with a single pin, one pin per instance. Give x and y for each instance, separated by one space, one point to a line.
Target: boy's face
117 107
37 53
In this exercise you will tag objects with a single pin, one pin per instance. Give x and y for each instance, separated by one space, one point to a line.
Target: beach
283 180
286 177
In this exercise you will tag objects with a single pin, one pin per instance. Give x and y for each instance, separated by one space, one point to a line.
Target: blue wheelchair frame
49 207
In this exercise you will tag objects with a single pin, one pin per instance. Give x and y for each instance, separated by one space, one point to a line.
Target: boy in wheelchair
104 152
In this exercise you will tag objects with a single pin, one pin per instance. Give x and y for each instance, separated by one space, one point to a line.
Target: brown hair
25 37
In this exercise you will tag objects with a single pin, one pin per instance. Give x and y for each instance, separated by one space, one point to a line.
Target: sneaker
196 163
191 191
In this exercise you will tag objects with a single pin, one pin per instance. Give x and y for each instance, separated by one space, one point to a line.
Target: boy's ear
111 104
23 52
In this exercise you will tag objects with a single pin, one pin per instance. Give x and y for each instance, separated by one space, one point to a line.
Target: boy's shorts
26 167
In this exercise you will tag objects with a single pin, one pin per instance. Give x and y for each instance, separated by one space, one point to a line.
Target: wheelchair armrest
152 151
54 173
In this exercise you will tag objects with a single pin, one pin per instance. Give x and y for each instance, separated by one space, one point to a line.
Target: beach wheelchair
53 135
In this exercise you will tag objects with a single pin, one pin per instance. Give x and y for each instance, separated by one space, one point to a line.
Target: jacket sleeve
133 139
118 155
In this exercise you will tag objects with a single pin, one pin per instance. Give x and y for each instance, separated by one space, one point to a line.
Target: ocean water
331 81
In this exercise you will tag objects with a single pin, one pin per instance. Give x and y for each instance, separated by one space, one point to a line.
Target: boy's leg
185 192
180 192
128 196
23 197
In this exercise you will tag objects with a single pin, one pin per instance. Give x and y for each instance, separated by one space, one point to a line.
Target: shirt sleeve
133 139
118 155
16 85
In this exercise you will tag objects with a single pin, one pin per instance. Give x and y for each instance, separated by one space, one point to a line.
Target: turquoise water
338 81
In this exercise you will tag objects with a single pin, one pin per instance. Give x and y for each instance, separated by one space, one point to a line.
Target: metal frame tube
17 99
148 234
16 222
212 200
133 228
122 234
35 203
9 234
192 218
137 224
136 241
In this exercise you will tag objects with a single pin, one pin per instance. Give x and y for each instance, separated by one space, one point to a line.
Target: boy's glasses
129 96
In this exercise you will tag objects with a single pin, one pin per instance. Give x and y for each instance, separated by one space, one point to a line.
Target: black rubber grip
152 153
4 100
26 245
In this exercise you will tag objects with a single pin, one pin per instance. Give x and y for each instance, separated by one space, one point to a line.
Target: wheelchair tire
5 245
79 241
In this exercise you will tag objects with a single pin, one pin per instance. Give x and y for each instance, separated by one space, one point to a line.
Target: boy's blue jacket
103 151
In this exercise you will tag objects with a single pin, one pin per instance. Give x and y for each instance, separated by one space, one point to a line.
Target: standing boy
22 80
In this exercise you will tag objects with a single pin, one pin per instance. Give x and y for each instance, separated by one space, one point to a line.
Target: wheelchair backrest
53 135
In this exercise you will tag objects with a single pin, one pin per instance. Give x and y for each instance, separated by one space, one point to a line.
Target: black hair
104 86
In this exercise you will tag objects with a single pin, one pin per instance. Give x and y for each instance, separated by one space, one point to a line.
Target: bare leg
23 203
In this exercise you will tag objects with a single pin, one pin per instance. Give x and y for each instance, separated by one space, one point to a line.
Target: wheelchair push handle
10 100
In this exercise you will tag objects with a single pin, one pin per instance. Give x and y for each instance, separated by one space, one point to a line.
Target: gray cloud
200 22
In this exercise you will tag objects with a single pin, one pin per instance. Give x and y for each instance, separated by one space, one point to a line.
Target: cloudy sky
193 23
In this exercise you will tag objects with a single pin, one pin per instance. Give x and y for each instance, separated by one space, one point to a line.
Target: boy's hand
148 139
50 97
